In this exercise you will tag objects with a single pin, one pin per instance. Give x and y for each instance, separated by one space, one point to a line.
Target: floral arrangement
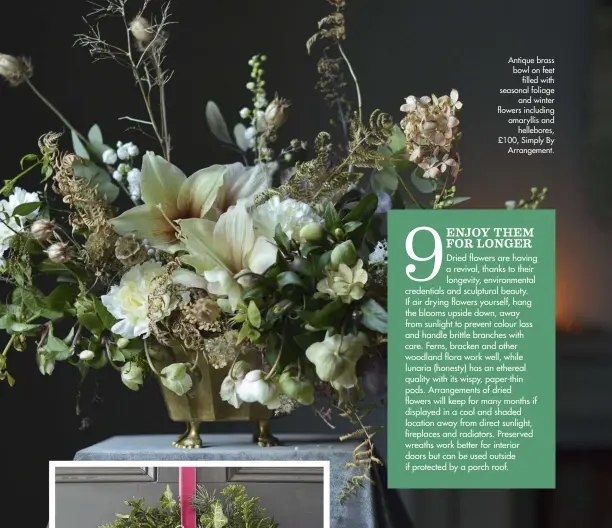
279 257
232 508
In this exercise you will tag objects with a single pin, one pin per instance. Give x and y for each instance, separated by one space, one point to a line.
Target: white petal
189 279
262 256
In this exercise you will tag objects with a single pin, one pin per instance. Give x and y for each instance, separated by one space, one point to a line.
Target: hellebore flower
255 388
176 378
335 358
229 387
131 375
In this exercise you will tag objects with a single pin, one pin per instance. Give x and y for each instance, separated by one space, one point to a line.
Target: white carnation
128 302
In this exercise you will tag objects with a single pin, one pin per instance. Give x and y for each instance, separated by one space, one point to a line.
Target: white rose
128 302
176 378
131 375
335 358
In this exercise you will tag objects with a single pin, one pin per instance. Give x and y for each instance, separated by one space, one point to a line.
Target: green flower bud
122 342
300 390
344 253
87 355
312 232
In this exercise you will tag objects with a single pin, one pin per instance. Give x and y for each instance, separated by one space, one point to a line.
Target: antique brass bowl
203 404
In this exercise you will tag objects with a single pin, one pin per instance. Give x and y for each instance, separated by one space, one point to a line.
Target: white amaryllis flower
290 214
229 387
335 358
170 196
218 251
255 388
131 375
128 301
176 378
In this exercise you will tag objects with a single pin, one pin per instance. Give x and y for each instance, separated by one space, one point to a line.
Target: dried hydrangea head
431 128
203 311
16 70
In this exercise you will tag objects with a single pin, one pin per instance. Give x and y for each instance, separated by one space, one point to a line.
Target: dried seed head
42 230
15 70
276 113
59 253
142 30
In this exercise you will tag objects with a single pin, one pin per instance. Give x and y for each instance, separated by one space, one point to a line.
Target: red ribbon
187 489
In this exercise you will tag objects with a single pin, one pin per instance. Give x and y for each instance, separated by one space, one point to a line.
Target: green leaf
254 315
78 147
132 350
280 309
240 137
331 217
326 317
397 141
116 354
87 316
217 124
281 239
351 226
60 301
460 199
96 178
374 316
385 180
95 135
56 348
25 209
68 269
363 211
96 142
424 185
22 328
290 278
107 319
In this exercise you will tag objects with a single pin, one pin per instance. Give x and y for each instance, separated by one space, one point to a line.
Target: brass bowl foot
191 438
178 441
263 437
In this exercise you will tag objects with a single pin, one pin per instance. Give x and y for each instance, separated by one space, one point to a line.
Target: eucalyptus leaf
397 141
385 180
240 137
216 123
95 135
374 316
78 147
423 185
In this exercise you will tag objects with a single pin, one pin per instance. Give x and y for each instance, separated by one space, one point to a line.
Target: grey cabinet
87 497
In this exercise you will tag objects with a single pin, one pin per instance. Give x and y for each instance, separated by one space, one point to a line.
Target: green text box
471 349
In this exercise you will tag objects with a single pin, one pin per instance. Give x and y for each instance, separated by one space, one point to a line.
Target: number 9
436 255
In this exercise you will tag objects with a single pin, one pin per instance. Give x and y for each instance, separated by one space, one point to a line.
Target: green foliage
232 508
166 515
